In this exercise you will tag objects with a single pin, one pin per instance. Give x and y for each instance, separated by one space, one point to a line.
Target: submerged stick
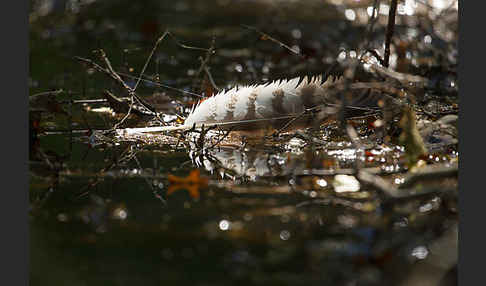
157 129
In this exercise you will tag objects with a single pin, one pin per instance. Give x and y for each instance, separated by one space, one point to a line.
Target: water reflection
106 210
230 162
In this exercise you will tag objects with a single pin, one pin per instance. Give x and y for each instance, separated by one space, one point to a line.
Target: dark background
157 244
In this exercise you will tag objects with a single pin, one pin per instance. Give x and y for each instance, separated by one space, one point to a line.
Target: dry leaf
191 183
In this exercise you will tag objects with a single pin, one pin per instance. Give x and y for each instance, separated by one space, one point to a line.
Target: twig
268 37
87 101
306 111
115 76
126 115
228 124
131 91
302 135
391 192
184 45
403 78
125 156
221 139
162 85
371 24
202 135
327 172
389 31
154 191
54 92
211 80
374 54
345 202
389 34
205 61
160 39
430 172
109 69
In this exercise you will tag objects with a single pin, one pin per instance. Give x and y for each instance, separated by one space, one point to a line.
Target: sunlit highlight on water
344 154
345 183
321 182
350 15
120 213
296 33
369 10
399 181
224 225
425 208
407 8
62 217
384 9
295 145
420 252
341 56
284 235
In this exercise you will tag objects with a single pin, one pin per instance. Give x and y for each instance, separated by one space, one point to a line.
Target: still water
155 210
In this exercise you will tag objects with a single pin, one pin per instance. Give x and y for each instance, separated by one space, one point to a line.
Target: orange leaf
191 183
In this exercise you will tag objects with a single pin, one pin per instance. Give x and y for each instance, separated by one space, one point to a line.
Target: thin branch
220 139
154 191
205 61
371 24
430 172
268 37
389 31
403 78
162 85
160 39
184 45
115 76
54 92
391 192
211 80
126 115
306 111
109 69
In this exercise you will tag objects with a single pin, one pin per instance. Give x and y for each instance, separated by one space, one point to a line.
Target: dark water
106 212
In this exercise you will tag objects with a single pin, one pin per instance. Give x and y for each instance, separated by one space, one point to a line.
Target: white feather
259 102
